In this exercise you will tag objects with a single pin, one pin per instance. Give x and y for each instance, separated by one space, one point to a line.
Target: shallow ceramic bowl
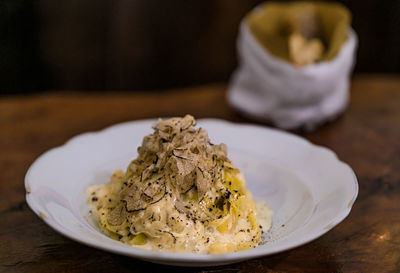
307 187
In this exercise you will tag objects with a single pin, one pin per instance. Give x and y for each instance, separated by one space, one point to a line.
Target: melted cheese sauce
227 234
264 215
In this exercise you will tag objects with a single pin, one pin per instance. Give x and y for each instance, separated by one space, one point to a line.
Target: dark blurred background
152 44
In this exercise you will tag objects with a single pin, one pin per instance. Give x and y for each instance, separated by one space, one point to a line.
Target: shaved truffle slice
142 195
203 179
187 122
220 150
148 173
185 183
133 200
184 166
154 192
187 154
117 215
229 165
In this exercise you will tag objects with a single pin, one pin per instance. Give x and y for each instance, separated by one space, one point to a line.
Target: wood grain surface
366 136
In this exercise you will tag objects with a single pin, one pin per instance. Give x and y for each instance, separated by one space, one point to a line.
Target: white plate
307 187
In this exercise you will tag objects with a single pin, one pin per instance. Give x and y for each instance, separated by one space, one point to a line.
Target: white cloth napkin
269 89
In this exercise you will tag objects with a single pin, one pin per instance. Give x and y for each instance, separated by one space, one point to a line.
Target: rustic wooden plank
366 137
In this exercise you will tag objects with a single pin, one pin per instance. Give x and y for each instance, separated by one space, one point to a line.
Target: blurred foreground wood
367 137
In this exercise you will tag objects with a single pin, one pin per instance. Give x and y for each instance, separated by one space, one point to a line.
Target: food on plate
181 193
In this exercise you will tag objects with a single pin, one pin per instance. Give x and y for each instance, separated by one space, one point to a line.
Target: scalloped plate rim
184 259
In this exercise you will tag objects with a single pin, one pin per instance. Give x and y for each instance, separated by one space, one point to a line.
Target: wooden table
367 137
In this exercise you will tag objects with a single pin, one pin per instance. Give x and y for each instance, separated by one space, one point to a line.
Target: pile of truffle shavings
174 160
